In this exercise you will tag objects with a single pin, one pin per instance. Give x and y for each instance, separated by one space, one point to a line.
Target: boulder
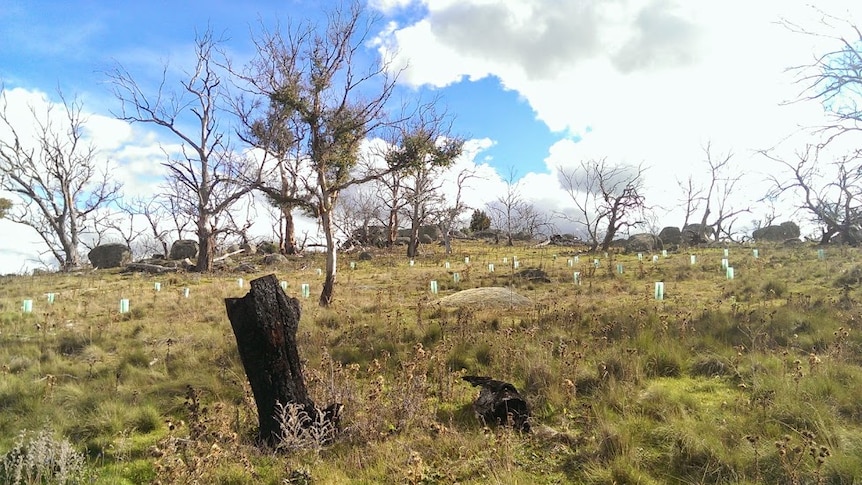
534 275
184 248
365 256
695 234
249 248
670 236
564 240
431 232
641 243
487 234
110 255
245 268
273 259
371 236
267 247
425 239
782 232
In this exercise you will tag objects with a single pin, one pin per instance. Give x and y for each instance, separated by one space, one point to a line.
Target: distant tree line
313 128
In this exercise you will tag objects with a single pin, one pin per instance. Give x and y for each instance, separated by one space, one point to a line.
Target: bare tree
57 175
833 200
508 208
834 79
453 207
314 74
208 177
356 211
607 199
692 197
829 192
718 196
393 199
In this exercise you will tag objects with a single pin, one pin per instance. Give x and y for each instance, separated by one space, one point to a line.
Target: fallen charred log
500 403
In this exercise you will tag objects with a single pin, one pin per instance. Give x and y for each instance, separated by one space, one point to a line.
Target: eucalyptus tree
425 148
332 94
56 173
823 178
208 177
607 198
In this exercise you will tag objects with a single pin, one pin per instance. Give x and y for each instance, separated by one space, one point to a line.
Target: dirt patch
491 297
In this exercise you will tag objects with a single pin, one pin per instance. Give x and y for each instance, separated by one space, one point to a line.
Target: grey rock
273 259
184 248
643 243
110 255
670 236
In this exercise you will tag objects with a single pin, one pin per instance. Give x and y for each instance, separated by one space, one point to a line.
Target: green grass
697 388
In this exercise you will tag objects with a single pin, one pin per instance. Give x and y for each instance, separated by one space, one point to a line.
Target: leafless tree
719 195
314 74
829 192
56 173
453 207
607 198
692 197
507 209
832 200
357 210
834 78
208 177
393 199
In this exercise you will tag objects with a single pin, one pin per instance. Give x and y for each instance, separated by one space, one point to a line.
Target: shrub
42 458
774 289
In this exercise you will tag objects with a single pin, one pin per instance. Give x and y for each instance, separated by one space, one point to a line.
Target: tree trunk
393 228
206 249
331 258
288 243
265 322
447 238
413 245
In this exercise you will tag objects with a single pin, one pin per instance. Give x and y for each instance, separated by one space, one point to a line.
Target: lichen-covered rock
670 236
782 232
642 243
273 259
110 256
184 248
694 234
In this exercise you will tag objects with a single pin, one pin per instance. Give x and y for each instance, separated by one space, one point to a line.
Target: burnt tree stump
265 322
500 403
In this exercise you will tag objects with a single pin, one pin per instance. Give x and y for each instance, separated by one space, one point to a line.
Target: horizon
534 89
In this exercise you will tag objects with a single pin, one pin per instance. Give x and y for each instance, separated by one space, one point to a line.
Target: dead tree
265 322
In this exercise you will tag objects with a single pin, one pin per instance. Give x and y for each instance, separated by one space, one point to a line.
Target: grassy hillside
750 380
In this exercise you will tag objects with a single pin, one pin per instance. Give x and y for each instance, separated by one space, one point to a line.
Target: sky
535 86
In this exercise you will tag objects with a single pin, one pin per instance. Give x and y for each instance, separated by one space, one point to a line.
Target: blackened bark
500 403
265 322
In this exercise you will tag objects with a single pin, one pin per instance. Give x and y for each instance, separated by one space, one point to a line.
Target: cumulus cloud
637 81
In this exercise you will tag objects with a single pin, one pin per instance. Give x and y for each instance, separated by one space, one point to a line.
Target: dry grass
696 388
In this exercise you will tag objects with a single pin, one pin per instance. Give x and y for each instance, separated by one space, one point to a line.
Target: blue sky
51 44
537 85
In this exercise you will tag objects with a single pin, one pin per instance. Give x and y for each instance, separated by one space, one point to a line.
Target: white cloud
389 6
641 81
